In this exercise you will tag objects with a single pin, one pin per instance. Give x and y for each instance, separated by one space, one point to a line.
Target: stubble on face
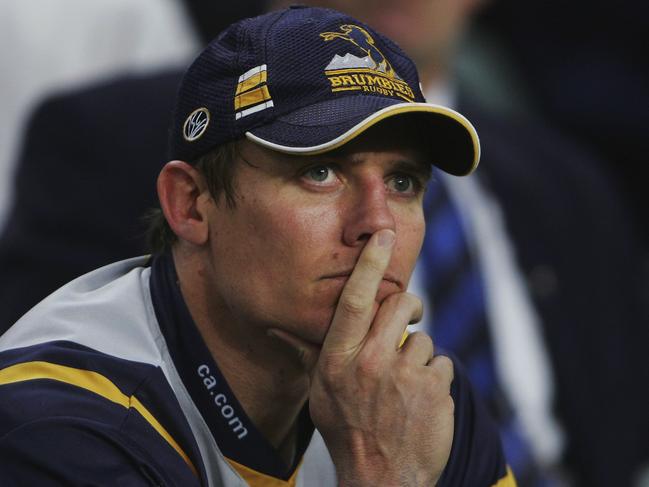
281 259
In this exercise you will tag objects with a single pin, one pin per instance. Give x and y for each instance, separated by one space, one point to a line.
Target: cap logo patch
252 93
371 73
196 124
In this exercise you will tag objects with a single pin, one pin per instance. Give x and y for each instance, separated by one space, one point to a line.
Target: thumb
306 352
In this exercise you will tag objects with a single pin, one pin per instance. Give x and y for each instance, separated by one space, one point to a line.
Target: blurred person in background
559 258
103 89
50 46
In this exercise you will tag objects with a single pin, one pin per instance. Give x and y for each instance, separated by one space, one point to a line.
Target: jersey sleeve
71 451
71 416
477 458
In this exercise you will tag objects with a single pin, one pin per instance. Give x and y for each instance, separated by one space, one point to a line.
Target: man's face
281 257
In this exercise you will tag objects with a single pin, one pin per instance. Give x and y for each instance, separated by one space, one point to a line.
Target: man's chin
311 329
315 336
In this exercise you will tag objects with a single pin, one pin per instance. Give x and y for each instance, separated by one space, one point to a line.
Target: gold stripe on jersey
507 481
257 479
90 381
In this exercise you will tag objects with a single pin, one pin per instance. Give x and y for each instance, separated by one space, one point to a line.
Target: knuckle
369 365
416 306
327 370
352 305
421 340
403 299
439 393
444 366
405 374
393 300
412 303
441 375
417 345
412 300
330 374
374 265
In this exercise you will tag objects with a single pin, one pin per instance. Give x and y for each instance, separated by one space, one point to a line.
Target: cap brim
452 139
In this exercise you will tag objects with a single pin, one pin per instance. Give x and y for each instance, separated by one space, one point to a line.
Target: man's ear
184 199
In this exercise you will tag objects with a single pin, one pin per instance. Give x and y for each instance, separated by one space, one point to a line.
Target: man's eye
320 174
402 183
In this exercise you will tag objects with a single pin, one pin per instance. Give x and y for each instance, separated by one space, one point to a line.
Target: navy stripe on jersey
236 435
91 412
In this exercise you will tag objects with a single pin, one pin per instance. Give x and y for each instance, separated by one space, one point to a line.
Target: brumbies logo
196 124
372 73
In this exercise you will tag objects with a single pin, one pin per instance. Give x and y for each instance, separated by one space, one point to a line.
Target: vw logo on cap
196 124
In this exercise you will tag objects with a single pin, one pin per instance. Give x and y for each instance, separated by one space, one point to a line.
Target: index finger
353 315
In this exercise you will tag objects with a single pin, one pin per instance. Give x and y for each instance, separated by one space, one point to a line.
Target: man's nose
368 212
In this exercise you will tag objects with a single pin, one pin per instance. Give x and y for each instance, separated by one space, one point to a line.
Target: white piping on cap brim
376 117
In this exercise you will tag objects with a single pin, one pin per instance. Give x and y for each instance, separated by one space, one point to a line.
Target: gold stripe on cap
252 82
252 97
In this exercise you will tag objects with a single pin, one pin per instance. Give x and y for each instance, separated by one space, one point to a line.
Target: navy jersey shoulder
74 416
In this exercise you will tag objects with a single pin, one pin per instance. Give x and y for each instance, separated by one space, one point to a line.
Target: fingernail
386 238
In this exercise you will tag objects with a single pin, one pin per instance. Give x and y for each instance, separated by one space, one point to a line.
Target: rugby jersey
108 382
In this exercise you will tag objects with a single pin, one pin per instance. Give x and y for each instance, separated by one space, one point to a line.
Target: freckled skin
271 253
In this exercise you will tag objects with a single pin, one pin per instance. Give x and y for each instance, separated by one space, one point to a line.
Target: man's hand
385 413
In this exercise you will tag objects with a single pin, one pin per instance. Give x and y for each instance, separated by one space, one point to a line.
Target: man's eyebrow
294 160
421 168
417 164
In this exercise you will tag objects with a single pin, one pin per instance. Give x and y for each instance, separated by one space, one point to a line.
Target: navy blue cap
306 81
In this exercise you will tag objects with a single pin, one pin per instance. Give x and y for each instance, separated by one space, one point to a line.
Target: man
292 221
